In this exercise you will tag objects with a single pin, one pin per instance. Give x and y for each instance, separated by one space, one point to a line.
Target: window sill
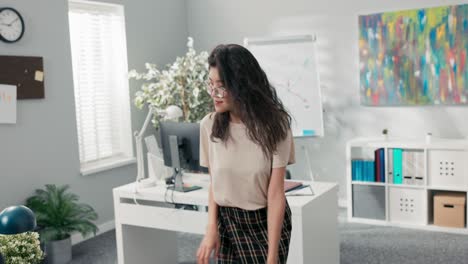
107 164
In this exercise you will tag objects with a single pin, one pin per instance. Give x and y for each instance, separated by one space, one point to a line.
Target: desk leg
140 245
295 255
148 246
118 238
118 227
315 232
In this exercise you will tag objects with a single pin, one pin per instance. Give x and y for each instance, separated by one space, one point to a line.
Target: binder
353 170
390 166
372 170
408 165
419 167
365 177
397 166
382 164
365 170
377 165
379 156
358 170
408 180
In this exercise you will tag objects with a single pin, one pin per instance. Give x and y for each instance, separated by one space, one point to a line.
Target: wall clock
11 25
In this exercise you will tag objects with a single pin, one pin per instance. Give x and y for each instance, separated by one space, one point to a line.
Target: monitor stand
176 164
179 184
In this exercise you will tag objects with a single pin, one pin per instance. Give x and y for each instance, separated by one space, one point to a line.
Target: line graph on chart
291 67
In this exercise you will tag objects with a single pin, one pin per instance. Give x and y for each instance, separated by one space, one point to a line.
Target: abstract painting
414 57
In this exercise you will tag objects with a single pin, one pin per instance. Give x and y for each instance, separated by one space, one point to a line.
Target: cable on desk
165 194
135 191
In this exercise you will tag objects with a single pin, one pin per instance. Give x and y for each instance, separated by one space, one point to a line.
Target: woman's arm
210 242
276 208
212 211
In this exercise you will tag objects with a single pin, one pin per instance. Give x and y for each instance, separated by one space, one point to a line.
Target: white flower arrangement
183 84
22 248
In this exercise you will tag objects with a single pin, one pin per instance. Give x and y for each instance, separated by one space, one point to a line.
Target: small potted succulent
59 214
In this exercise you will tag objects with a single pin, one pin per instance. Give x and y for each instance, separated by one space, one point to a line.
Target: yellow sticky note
39 76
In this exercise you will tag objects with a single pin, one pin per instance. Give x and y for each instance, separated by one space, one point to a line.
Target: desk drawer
163 218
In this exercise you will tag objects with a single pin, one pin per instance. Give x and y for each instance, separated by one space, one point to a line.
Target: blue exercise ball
17 219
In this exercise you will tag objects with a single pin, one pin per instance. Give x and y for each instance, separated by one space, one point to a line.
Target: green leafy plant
21 248
58 213
183 84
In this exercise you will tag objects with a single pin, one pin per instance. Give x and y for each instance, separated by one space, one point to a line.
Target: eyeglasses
219 92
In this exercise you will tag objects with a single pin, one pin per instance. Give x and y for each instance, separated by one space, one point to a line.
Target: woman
246 144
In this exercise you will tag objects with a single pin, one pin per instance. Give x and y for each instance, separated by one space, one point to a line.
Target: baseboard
104 227
342 203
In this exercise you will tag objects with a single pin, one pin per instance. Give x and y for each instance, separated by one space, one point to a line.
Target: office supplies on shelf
421 171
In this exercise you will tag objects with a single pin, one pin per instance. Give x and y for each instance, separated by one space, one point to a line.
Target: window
99 58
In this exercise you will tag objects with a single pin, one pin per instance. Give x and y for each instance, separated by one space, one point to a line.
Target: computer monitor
180 143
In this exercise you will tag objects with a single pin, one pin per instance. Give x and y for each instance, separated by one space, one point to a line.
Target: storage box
447 168
369 202
407 205
449 209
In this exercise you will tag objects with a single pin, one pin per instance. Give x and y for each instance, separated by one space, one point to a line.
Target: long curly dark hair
255 99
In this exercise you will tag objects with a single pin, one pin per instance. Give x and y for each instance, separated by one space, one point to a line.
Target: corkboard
27 73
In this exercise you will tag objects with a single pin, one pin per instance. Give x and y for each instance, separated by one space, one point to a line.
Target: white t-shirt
239 169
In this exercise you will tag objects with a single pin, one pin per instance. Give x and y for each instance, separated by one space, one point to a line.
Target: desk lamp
16 220
171 112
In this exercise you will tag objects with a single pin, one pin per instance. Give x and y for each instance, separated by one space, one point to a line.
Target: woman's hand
209 244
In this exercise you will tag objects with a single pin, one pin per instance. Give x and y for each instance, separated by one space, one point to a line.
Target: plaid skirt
244 236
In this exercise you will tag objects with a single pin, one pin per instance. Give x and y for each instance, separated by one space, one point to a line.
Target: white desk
145 232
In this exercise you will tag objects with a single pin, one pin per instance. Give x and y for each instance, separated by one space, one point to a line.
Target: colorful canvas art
414 57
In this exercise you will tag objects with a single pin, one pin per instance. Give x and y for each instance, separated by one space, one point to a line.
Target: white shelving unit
405 205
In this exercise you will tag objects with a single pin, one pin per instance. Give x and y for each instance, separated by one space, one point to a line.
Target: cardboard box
449 209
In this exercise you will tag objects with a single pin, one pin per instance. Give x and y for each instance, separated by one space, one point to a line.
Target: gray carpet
360 244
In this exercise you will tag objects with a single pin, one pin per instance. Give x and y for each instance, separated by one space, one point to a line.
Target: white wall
42 147
336 24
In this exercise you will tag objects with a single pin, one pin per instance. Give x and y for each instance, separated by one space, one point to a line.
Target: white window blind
99 57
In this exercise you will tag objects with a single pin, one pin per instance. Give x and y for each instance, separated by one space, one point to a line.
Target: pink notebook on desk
291 185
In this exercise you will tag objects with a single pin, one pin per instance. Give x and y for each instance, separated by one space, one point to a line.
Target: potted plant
59 214
183 84
20 248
